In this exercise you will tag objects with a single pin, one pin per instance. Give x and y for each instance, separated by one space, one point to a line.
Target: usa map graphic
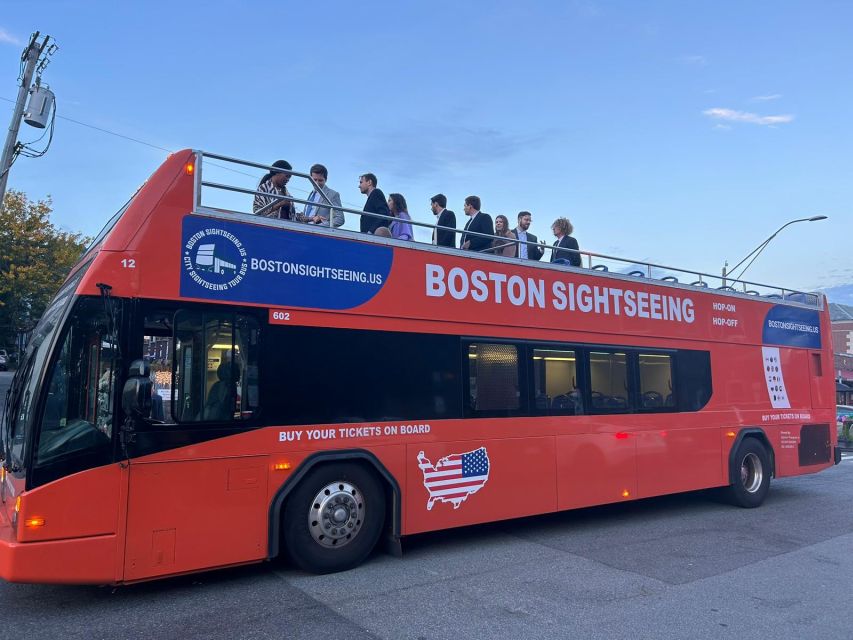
455 477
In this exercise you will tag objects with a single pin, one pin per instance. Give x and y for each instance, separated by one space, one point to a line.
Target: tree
35 257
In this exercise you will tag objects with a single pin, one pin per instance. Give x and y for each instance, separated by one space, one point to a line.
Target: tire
752 473
334 517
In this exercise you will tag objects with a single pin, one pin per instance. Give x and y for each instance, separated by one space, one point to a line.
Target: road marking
846 456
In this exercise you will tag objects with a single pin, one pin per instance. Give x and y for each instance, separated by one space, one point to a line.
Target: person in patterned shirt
274 183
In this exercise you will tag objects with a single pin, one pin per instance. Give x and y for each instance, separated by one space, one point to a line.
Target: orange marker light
731 434
35 521
281 466
18 504
189 168
622 435
625 493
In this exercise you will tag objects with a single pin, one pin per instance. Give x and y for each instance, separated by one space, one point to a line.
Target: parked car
4 366
843 412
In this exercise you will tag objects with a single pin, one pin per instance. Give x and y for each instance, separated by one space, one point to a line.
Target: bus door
75 486
197 493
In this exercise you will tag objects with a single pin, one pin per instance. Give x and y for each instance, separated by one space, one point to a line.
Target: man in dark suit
446 218
478 222
376 203
526 251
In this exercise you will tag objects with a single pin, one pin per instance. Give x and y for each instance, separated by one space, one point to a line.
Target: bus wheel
752 475
334 518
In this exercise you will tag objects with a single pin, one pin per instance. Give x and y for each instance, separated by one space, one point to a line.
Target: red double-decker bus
211 388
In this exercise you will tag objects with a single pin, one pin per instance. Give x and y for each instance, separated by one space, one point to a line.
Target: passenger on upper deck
567 247
317 214
375 204
503 246
400 228
479 222
274 183
526 251
446 218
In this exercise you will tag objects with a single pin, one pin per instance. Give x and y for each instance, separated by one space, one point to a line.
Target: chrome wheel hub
751 473
336 514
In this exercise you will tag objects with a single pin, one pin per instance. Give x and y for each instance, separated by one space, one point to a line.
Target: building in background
842 343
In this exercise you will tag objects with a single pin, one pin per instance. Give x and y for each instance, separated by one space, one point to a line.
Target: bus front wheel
751 474
334 518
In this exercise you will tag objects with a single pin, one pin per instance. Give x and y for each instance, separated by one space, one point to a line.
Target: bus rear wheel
751 473
333 519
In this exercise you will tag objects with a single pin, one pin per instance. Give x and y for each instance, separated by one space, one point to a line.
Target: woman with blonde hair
565 246
500 246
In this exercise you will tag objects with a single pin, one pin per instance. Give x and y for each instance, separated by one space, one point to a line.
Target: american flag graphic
454 477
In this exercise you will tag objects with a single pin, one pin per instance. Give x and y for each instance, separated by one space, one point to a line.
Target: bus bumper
78 561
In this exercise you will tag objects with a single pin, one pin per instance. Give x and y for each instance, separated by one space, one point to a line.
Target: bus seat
652 400
699 283
669 279
563 402
600 267
616 402
637 273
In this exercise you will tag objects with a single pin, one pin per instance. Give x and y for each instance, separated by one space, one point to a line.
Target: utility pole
30 59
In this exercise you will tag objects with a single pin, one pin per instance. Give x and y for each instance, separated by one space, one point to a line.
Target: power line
159 148
112 133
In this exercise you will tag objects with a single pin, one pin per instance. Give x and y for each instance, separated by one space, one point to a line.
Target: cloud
774 96
730 115
694 61
8 38
434 147
841 294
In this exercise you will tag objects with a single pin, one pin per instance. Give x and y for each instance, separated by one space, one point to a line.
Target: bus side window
608 372
215 368
494 383
555 377
656 381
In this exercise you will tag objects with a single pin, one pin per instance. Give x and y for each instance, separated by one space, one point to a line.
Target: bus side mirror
136 395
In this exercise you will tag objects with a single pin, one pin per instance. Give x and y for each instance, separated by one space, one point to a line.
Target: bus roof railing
594 261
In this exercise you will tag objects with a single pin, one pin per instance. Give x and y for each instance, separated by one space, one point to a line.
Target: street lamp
757 251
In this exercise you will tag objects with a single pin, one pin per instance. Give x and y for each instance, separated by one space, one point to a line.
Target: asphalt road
677 567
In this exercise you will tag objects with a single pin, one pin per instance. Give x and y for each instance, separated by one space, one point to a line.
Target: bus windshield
24 391
77 417
108 227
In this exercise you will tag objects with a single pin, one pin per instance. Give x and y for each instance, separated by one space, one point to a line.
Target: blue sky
682 133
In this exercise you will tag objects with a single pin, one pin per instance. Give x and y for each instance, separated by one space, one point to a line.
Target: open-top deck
218 193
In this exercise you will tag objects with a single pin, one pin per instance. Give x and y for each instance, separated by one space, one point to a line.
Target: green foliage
35 257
